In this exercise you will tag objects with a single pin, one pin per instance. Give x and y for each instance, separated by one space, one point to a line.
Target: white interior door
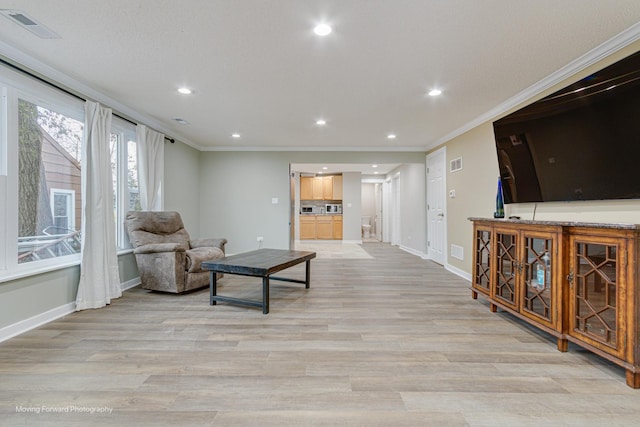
378 218
436 206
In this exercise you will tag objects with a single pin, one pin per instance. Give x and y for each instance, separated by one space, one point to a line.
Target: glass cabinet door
595 292
538 280
506 268
482 265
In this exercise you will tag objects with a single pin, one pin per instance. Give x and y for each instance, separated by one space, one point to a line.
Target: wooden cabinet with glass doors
603 311
575 281
515 268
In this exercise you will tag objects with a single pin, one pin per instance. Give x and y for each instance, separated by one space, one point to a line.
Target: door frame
430 254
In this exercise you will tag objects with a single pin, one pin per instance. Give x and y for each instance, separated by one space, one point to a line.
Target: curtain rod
67 91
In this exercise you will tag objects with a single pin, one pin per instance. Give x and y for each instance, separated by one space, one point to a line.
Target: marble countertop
560 223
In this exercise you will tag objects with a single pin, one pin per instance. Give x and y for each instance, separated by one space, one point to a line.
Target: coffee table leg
213 287
265 295
307 279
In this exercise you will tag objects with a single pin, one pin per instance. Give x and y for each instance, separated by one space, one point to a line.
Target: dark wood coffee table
261 263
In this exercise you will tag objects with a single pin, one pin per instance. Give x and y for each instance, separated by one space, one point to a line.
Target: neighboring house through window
41 132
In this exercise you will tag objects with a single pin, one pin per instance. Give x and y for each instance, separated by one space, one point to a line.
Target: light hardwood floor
389 341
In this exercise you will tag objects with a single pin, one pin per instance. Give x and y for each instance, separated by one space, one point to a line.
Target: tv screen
579 143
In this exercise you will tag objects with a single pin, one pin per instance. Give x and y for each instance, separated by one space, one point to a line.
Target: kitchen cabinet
306 188
321 187
307 227
575 281
337 227
327 187
318 188
324 227
320 227
337 187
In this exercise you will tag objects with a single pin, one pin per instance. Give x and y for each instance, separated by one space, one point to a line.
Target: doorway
371 210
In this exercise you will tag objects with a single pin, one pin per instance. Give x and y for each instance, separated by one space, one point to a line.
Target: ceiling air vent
28 23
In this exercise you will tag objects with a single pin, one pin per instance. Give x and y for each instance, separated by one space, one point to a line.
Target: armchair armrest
160 247
209 243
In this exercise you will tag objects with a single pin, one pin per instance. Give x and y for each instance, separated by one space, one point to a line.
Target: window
124 171
63 210
41 130
48 183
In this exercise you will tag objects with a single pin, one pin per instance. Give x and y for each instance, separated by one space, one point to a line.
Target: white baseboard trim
49 316
130 284
455 270
413 252
36 321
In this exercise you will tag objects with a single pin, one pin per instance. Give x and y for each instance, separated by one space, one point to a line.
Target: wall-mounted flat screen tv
579 143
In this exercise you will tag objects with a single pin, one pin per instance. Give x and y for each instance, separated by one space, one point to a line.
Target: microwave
333 208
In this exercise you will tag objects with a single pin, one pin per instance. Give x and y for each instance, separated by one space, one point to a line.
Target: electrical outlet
259 238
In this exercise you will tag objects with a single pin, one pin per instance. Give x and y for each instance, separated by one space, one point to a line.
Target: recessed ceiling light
376 173
435 92
322 29
324 168
184 90
391 136
235 135
321 122
374 166
181 121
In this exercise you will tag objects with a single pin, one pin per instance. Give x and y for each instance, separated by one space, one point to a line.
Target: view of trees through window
49 182
49 146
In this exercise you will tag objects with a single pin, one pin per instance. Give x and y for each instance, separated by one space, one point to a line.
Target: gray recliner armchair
168 259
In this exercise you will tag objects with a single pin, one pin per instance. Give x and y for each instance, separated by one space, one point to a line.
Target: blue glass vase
499 213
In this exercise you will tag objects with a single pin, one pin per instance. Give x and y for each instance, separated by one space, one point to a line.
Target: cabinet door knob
570 278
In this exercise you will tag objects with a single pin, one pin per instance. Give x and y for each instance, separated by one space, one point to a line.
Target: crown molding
609 47
330 149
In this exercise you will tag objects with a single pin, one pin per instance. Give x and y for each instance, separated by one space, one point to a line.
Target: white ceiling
256 67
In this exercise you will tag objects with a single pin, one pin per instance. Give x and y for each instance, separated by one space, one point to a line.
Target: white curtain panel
150 150
99 275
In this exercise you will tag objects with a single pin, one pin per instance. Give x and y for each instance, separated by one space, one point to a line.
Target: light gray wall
182 184
351 206
30 296
236 189
413 215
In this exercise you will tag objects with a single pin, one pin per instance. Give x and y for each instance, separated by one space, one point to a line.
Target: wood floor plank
391 340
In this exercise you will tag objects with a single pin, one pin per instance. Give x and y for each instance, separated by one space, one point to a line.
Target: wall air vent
455 165
28 23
